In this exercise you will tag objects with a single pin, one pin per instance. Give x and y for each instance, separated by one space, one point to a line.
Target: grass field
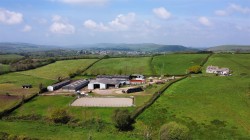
59 132
12 84
60 68
4 68
212 107
175 64
139 65
10 57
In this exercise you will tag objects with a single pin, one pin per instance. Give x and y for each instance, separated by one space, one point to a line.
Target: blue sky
194 23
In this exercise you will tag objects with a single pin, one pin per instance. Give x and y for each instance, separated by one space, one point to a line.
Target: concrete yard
103 102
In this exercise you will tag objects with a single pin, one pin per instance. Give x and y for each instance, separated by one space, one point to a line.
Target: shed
77 85
27 86
58 85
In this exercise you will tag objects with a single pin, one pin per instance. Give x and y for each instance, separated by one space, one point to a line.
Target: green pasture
139 65
46 131
9 57
12 82
176 64
60 68
4 68
211 106
239 64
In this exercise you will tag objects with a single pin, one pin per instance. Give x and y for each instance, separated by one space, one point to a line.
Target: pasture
110 66
4 68
8 58
60 69
176 64
211 106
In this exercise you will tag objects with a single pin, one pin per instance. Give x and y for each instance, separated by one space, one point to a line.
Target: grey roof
113 76
61 83
106 81
76 84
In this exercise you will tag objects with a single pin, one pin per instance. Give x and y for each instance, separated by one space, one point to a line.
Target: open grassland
139 65
211 106
9 57
238 63
59 132
11 91
60 68
176 64
13 82
4 68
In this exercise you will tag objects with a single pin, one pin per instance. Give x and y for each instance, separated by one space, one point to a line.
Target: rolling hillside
240 48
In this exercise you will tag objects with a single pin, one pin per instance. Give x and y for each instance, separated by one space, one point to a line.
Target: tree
174 131
59 115
122 120
194 69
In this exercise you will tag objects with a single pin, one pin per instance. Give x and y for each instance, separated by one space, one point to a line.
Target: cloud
122 22
220 13
27 28
60 26
162 13
83 2
239 8
204 21
233 8
10 17
90 24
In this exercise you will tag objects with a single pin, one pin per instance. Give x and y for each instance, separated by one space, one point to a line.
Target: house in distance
217 70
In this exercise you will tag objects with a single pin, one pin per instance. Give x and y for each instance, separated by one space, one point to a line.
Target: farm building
58 85
27 86
217 70
121 78
77 85
137 79
103 83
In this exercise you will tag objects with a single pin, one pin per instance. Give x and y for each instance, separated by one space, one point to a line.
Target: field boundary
206 59
17 105
151 101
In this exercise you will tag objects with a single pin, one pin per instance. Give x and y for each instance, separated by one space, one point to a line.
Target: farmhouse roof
105 81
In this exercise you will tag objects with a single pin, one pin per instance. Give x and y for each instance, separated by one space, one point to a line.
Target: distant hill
23 47
150 47
144 47
239 48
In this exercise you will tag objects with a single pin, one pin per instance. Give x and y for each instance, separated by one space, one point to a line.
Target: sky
192 23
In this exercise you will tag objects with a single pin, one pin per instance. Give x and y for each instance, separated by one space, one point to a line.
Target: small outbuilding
58 85
27 86
132 90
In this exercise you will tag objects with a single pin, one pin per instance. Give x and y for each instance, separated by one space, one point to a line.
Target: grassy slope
60 68
4 68
197 101
12 83
176 63
121 66
10 57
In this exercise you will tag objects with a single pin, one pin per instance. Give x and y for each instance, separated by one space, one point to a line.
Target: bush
122 120
194 69
59 115
174 131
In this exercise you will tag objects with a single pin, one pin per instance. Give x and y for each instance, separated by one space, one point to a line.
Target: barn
77 85
58 85
103 83
124 79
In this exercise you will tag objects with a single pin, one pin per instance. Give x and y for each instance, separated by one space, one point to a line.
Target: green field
176 64
9 57
139 65
4 68
59 68
211 106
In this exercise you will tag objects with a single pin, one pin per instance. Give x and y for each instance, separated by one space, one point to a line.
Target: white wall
103 86
50 88
90 86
